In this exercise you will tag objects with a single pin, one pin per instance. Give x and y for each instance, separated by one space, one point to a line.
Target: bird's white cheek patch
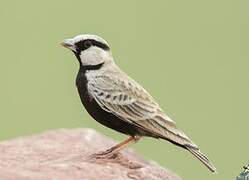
92 56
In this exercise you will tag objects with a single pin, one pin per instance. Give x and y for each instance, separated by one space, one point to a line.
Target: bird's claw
104 154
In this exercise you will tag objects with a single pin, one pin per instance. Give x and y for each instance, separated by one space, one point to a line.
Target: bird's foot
114 157
108 154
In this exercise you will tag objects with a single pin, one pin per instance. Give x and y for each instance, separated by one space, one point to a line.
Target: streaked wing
126 99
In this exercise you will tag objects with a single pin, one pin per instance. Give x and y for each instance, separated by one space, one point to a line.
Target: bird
118 102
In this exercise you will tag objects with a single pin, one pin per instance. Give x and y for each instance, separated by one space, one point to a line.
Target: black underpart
103 117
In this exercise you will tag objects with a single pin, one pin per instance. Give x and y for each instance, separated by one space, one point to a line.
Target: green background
192 56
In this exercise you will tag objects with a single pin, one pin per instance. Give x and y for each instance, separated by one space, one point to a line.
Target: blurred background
192 56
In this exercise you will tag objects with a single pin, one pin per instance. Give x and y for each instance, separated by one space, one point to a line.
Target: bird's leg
120 146
123 144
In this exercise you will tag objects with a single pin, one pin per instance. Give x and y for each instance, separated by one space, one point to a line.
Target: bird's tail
197 153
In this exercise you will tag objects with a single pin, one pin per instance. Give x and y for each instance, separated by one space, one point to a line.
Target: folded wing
130 102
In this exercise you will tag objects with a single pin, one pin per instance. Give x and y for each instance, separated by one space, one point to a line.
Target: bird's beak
67 43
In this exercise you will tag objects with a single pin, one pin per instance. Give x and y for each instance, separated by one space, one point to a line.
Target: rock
65 155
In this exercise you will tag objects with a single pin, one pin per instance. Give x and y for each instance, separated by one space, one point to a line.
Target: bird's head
90 50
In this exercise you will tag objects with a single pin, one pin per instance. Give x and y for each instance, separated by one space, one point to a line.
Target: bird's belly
105 118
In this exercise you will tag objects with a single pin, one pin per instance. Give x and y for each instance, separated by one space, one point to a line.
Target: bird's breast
86 97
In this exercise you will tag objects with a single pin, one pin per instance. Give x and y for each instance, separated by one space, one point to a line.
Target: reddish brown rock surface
64 155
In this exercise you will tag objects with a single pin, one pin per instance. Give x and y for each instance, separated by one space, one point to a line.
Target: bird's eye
87 44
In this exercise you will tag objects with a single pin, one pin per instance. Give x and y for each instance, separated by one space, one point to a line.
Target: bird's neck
84 68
